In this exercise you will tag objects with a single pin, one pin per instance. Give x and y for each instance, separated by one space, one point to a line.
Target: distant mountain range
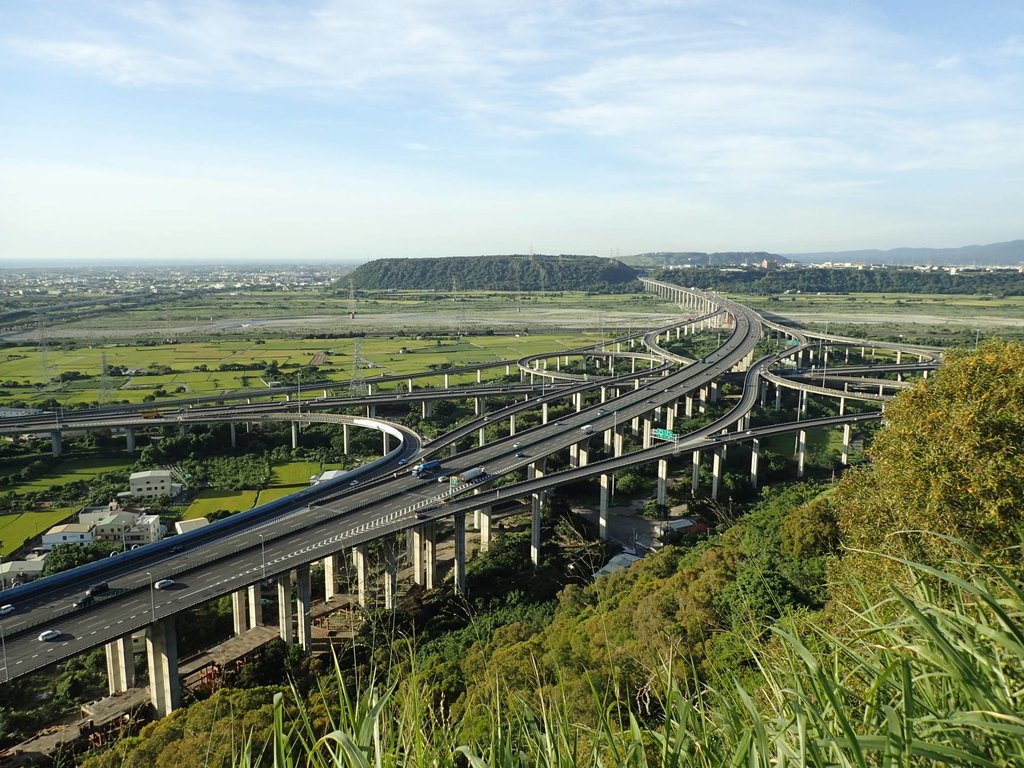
994 254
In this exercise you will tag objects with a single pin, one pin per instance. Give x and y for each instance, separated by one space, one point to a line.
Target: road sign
792 343
665 434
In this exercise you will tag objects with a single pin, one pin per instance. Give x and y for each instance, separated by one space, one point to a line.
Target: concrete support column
842 406
284 607
390 575
511 425
543 413
371 410
695 479
535 470
662 481
582 454
459 575
716 472
129 438
360 553
479 406
846 445
408 386
764 393
234 437
238 612
330 576
162 656
688 409
801 452
430 555
120 664
648 432
778 398
303 607
295 435
427 409
56 444
255 605
447 380
481 436
755 458
713 391
344 438
618 441
702 400
416 542
479 376
602 516
485 529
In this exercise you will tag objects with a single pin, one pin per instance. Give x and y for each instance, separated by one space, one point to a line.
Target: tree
64 557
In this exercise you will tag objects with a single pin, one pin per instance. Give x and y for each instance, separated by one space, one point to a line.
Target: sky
318 130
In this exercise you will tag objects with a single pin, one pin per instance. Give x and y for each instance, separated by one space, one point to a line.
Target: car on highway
516 445
520 455
420 516
164 584
601 411
97 589
402 462
5 609
354 482
49 634
83 601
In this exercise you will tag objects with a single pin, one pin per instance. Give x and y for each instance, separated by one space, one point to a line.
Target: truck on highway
471 474
426 467
587 429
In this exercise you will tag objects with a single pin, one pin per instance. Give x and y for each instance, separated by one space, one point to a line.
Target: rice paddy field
287 478
74 469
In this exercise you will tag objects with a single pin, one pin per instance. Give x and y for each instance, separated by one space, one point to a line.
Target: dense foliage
763 282
498 273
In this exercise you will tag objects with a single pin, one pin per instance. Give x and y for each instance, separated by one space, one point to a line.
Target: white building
128 529
13 572
69 533
184 526
153 482
323 477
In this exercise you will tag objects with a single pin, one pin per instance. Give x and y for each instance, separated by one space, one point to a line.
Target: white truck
471 474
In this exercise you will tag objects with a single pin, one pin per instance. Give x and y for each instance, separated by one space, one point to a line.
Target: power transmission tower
355 382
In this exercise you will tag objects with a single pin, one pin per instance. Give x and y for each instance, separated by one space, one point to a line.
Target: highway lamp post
152 596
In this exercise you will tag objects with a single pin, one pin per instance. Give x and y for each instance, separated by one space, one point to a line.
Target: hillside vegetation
825 627
498 273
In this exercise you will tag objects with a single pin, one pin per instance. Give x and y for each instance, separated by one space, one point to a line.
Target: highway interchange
386 499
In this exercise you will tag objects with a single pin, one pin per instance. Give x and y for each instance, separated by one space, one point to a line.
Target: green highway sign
665 434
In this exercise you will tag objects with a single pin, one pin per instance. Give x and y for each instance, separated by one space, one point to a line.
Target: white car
164 584
5 609
49 634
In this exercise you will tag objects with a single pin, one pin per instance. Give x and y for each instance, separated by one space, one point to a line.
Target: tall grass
941 684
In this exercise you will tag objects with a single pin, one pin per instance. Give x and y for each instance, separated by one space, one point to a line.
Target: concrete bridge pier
543 413
778 398
662 481
716 472
238 613
688 406
801 452
447 381
344 438
360 554
695 478
234 435
386 442
702 401
755 459
485 528
129 439
427 409
56 444
459 575
479 376
390 574
120 664
371 411
535 470
842 406
481 436
295 435
479 406
330 576
408 386
713 392
846 445
416 545
162 657
648 431
602 515
255 605
430 555
284 607
511 425
764 393
303 607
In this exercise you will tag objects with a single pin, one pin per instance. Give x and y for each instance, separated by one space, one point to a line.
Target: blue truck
426 467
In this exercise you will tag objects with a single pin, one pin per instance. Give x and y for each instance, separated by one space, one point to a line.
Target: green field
74 470
26 370
16 529
209 500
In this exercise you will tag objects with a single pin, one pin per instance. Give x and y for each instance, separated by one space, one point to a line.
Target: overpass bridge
276 543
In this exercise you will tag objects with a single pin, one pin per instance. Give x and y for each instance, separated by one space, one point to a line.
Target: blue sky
321 130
